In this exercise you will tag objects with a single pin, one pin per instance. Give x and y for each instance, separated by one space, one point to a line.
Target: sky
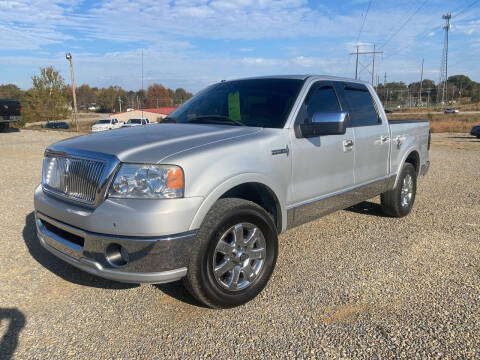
194 43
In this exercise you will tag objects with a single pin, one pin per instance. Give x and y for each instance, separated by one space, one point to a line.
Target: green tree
48 99
181 95
11 91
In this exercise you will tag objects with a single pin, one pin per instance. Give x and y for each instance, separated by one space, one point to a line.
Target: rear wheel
235 255
398 202
4 127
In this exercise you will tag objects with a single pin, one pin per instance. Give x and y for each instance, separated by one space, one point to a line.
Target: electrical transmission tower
442 84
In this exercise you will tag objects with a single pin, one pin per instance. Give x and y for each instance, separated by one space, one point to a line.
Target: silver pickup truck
203 196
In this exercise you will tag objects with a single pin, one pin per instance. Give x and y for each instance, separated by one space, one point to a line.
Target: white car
136 122
451 111
106 124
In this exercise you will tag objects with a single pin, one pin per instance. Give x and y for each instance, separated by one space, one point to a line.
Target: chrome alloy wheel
239 256
406 193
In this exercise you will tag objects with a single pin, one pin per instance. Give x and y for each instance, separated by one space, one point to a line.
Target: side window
360 103
321 98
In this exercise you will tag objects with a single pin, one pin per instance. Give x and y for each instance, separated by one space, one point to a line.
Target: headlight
147 181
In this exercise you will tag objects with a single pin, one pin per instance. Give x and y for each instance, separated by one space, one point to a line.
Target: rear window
360 103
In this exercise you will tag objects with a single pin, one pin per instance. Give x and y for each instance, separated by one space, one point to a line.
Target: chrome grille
78 179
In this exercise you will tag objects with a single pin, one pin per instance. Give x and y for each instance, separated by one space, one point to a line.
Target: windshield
254 102
103 121
134 121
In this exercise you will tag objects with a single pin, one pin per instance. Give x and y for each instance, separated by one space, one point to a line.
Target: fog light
116 255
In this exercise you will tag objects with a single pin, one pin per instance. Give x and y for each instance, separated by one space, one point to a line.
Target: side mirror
325 123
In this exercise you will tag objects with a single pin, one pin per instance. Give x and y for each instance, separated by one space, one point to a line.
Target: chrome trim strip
424 168
306 202
313 209
97 269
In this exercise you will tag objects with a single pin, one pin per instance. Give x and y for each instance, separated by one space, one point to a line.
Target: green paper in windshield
234 106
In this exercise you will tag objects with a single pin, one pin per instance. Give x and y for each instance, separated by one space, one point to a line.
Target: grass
461 123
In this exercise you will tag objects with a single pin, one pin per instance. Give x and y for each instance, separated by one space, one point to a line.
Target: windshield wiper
169 120
215 119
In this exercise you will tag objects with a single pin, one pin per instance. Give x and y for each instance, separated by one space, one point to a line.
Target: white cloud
167 29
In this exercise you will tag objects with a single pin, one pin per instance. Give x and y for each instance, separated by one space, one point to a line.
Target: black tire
4 127
200 280
392 200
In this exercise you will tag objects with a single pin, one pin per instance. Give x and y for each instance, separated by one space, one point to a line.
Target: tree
108 99
48 99
181 95
157 96
86 95
11 91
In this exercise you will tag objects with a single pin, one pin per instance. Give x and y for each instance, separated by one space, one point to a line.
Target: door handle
399 140
384 139
348 145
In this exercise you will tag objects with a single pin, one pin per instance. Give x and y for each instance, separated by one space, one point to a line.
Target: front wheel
398 202
235 255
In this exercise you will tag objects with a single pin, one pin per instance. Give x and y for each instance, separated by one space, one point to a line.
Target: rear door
372 134
321 165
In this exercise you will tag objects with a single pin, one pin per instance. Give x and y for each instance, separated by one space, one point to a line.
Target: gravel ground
353 284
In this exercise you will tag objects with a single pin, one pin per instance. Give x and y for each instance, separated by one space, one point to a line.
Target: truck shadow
12 130
61 268
367 208
9 341
177 291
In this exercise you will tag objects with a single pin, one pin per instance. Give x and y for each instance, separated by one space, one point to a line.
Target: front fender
232 182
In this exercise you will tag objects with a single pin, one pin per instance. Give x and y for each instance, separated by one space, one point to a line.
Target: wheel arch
253 188
411 156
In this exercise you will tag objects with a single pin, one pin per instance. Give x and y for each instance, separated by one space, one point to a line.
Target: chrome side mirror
325 123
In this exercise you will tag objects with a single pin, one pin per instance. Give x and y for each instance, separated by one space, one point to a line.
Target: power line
466 8
374 52
364 19
404 24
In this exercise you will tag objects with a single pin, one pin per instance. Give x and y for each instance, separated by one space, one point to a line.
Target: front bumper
9 119
149 260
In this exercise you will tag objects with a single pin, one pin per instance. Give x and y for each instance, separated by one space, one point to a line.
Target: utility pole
143 92
374 52
444 64
356 66
68 56
421 83
120 102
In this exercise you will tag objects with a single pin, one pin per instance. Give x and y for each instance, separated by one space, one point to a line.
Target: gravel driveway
354 284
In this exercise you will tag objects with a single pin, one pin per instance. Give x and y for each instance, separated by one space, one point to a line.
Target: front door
324 165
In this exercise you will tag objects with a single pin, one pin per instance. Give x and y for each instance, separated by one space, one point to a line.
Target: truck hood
151 144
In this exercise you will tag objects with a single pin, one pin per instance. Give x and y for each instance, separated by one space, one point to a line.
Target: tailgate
9 107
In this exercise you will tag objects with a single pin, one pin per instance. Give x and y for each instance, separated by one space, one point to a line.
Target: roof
304 77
